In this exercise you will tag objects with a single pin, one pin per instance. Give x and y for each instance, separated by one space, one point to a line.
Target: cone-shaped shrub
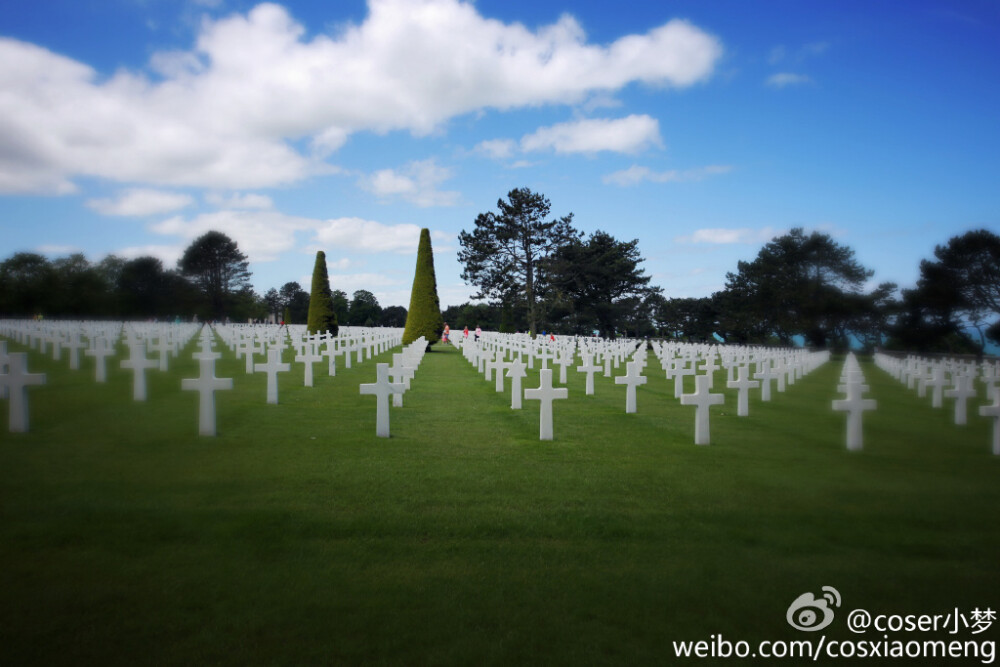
321 315
424 316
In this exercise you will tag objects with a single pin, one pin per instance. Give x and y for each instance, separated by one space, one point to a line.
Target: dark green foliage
505 253
799 284
214 262
597 284
321 316
424 315
969 265
341 305
470 315
365 310
393 316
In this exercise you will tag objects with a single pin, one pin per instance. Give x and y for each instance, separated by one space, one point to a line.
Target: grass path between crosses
297 537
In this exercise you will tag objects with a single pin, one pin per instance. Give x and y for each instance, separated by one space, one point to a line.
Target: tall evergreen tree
321 315
214 262
505 254
424 315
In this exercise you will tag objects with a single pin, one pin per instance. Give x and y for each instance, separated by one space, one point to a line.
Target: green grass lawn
297 537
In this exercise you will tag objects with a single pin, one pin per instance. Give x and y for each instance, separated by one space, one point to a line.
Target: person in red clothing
447 332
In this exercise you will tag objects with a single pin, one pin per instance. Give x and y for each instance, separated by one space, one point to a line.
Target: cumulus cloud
230 112
497 149
261 234
237 200
631 134
417 183
140 202
722 236
367 236
637 174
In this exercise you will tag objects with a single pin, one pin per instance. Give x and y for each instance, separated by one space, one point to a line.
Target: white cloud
497 149
720 236
785 79
367 236
417 183
261 234
237 200
140 202
631 134
637 174
225 113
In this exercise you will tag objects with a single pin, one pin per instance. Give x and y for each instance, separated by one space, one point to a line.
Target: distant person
465 332
447 332
479 332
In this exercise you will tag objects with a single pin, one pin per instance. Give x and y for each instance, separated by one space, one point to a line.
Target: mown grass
298 537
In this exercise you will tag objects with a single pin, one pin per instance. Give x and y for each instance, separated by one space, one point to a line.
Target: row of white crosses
166 340
403 368
678 360
852 384
101 340
950 378
309 349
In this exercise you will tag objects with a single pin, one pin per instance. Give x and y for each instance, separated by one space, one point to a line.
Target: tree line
540 274
211 281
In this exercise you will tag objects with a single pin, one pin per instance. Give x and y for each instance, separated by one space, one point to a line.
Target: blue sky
701 128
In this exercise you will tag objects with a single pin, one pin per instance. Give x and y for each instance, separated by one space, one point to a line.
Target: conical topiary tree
424 316
321 315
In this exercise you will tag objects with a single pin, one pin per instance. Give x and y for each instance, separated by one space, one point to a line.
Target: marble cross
961 392
702 398
272 368
206 384
308 358
993 411
382 389
854 405
632 379
138 363
589 367
545 393
516 371
765 375
743 385
16 381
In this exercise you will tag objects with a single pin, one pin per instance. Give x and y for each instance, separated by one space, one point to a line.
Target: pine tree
321 315
424 315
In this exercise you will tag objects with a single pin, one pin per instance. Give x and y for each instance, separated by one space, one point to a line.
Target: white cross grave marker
308 358
381 389
16 381
138 363
765 375
633 379
994 412
545 393
272 368
100 352
743 385
961 392
515 371
702 398
854 406
206 384
589 367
